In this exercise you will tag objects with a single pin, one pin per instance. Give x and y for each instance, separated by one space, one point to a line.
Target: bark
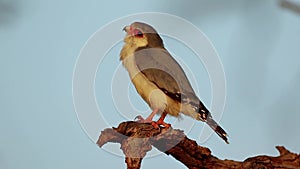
137 139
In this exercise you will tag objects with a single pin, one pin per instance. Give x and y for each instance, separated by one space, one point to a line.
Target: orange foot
140 119
163 124
157 124
160 121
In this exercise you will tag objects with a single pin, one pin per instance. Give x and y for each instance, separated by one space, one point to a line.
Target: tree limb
137 139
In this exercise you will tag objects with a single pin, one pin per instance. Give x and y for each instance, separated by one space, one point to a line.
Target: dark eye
138 33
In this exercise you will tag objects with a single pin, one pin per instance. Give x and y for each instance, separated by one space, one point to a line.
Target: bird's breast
146 89
149 91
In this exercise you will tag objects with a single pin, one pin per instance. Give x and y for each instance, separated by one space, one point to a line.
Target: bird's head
142 35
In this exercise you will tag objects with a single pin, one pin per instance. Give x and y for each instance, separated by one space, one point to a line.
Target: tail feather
204 115
215 126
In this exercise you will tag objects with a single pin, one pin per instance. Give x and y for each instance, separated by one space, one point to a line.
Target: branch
137 139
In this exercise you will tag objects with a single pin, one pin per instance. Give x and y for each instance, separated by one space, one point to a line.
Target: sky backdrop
257 42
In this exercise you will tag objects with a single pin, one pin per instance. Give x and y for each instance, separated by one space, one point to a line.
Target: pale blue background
258 43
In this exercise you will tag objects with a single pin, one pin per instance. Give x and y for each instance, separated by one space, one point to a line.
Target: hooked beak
126 29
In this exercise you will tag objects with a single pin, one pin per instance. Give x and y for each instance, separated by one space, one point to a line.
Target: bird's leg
160 121
148 119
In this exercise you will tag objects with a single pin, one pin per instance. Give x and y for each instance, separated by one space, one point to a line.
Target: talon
156 125
139 119
163 124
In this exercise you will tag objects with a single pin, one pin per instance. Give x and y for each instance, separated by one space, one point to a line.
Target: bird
160 80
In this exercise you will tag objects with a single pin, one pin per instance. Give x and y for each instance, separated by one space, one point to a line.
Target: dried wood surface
137 139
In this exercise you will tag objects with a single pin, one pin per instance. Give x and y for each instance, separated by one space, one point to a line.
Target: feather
159 79
163 70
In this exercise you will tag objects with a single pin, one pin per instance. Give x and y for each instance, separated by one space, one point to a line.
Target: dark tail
215 126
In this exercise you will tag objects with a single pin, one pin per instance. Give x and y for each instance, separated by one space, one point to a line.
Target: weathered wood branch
137 139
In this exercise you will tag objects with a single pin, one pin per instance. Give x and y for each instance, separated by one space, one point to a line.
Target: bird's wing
162 69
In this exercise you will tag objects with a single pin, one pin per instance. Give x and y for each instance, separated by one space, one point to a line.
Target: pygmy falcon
160 80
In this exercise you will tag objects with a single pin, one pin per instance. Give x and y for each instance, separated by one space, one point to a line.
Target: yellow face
139 35
135 37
